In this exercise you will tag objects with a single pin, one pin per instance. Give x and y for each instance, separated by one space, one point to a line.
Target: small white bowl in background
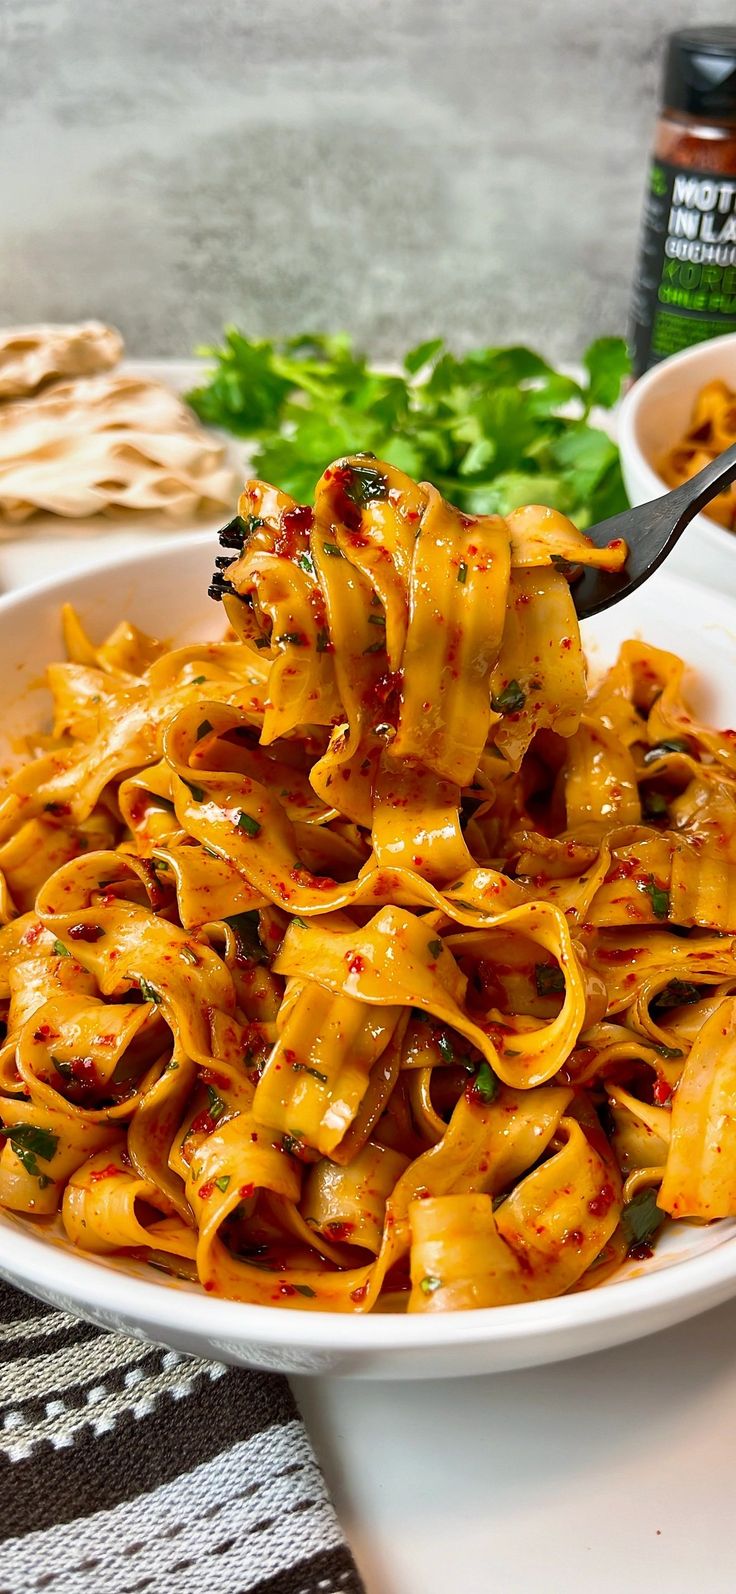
654 415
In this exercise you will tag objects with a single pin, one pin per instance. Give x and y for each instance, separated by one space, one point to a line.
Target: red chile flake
246 1191
205 1190
105 1173
662 1092
600 1204
203 1124
85 932
356 963
291 537
338 1231
84 1072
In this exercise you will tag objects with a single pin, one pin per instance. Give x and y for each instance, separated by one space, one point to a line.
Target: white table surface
611 1474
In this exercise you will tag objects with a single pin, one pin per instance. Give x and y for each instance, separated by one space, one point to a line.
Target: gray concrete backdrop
397 167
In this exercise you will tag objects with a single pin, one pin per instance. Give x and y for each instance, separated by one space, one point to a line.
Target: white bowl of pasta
137 1185
670 423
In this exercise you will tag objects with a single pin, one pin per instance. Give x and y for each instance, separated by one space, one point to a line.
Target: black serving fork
651 531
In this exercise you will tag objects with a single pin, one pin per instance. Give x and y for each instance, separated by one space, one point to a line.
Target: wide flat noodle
361 960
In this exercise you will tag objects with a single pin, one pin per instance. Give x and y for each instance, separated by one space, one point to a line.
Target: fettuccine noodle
362 959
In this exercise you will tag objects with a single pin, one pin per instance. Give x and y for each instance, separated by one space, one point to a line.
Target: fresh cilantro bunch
492 429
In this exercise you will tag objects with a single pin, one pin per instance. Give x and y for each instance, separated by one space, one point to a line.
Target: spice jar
685 284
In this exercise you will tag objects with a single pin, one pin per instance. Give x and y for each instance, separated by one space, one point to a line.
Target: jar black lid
700 72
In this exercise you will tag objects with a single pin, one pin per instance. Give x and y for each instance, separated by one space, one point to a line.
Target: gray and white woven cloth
125 1467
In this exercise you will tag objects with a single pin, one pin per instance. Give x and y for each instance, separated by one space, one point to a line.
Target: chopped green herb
510 701
149 992
198 680
654 805
188 955
246 822
304 1068
223 1182
363 485
292 1145
294 637
467 907
641 1217
375 647
171 1067
674 744
669 1052
377 619
677 993
61 1067
262 642
245 927
548 979
462 573
216 1105
61 950
659 898
332 549
203 729
306 563
302 923
323 641
306 1290
445 1048
563 566
196 791
501 425
429 1284
434 948
162 864
29 1142
485 1083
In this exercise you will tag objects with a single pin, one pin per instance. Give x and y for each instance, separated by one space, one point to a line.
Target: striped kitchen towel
125 1467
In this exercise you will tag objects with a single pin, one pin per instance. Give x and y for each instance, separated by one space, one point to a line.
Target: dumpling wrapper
106 444
31 357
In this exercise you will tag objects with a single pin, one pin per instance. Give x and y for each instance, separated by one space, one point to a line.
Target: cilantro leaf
548 979
245 927
641 1217
149 992
673 744
607 364
29 1142
246 822
485 1083
485 426
216 1105
658 896
510 701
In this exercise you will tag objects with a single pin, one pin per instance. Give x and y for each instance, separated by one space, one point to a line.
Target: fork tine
651 531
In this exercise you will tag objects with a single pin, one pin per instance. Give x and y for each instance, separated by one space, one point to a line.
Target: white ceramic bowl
654 415
694 1268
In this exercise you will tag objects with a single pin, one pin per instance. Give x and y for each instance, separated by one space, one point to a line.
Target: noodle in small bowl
655 416
693 1266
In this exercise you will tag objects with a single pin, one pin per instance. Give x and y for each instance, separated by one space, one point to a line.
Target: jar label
685 284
